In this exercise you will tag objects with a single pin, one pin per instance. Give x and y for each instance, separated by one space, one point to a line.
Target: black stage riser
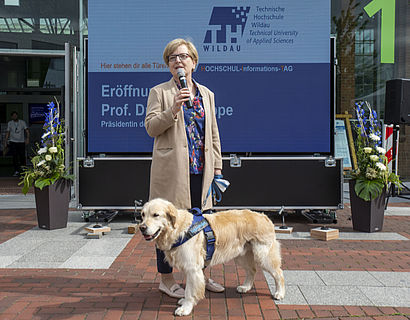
299 183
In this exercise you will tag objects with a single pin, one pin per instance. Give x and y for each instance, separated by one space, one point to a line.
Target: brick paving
15 222
10 185
128 289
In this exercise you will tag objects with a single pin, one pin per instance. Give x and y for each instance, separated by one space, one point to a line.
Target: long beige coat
170 159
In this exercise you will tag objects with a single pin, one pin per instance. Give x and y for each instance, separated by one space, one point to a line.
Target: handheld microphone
182 81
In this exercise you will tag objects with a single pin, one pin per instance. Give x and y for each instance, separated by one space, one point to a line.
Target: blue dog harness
199 223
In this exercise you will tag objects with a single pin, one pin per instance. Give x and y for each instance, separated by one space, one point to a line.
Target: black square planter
367 216
52 205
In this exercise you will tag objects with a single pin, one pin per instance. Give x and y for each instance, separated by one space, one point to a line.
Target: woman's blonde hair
174 44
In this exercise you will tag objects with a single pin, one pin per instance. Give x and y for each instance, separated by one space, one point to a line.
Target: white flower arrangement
374 137
42 150
374 157
372 176
381 150
381 166
48 163
41 163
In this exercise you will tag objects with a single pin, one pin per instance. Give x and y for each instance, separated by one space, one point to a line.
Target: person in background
187 150
17 141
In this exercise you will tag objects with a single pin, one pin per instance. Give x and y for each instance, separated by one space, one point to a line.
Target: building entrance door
29 80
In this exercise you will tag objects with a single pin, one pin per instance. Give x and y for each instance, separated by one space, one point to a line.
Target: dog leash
218 186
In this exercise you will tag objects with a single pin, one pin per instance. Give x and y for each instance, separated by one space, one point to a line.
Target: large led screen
268 63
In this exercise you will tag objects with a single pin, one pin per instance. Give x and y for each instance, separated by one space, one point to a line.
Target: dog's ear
172 214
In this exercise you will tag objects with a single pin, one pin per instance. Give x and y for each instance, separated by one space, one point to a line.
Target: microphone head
181 72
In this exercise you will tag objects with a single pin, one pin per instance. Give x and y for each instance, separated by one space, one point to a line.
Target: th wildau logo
226 27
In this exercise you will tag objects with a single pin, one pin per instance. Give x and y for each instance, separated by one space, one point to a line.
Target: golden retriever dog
243 235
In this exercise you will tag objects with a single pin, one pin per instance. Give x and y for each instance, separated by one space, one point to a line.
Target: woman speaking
187 150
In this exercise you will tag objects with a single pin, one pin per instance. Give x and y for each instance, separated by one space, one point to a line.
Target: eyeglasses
181 56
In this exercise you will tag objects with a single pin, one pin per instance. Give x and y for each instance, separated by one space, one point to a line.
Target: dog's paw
242 289
184 310
279 295
181 301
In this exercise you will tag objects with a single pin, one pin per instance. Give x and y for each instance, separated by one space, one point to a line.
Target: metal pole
394 155
78 112
67 102
75 118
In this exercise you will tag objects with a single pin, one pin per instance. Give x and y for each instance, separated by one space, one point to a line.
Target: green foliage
368 189
48 165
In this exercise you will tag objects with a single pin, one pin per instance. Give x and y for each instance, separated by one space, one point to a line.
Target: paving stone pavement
67 248
356 288
360 276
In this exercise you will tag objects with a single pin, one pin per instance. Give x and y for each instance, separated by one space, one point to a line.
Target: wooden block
98 230
132 228
97 235
287 230
324 234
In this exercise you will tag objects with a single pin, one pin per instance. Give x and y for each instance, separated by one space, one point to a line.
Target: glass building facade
33 34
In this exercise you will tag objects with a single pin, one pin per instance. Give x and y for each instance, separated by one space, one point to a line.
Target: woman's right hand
182 96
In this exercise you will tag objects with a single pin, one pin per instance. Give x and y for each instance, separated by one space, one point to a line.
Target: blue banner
268 65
